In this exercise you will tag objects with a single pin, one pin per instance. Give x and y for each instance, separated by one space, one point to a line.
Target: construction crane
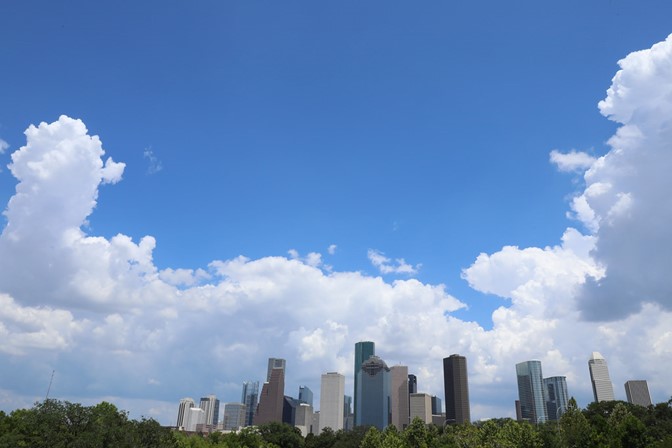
49 388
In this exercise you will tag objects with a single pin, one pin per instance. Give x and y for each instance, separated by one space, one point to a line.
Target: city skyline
191 188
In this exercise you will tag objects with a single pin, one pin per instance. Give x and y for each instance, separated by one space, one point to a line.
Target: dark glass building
373 407
456 389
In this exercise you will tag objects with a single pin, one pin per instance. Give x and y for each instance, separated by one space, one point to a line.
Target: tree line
613 424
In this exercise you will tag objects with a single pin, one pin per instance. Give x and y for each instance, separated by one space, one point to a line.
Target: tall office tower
373 390
271 398
599 377
305 395
304 418
412 384
531 392
436 405
363 351
456 389
316 422
250 398
421 407
557 397
399 397
274 363
234 416
210 405
332 390
637 392
193 418
185 405
348 417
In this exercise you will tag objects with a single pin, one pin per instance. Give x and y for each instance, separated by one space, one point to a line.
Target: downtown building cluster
384 396
546 399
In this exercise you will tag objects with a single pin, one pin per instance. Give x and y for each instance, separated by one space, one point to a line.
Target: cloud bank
115 326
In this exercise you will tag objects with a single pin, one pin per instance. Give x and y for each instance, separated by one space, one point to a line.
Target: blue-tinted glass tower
531 392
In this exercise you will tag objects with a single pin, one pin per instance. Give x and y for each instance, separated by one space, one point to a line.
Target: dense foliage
614 424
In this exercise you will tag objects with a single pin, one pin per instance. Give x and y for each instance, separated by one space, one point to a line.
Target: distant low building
637 392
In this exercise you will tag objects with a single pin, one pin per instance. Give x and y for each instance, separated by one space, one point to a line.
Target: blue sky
279 129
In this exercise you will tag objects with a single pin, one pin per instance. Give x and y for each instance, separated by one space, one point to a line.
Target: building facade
363 351
185 405
557 397
456 389
603 390
399 397
305 395
271 398
250 398
234 416
332 396
531 392
210 405
373 389
637 392
421 407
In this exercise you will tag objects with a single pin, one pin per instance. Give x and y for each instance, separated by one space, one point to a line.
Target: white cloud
155 164
331 250
388 266
572 161
101 313
4 146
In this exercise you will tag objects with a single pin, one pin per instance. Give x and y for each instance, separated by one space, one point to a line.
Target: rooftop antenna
49 388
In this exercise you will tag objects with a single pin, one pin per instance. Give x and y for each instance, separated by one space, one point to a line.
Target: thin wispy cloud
4 146
155 164
388 266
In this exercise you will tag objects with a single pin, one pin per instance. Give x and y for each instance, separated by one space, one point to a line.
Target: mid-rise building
332 389
436 405
348 416
421 407
210 405
304 418
185 405
557 397
289 406
456 389
194 419
271 398
250 398
531 392
363 351
603 390
234 416
637 392
373 383
399 397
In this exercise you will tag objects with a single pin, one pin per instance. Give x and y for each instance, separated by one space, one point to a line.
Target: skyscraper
399 397
456 389
373 389
531 392
348 417
363 351
603 390
436 405
557 397
637 392
234 416
271 398
210 405
412 384
185 405
250 398
332 393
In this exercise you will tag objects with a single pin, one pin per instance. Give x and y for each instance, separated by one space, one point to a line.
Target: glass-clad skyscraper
249 399
557 396
363 351
373 407
531 392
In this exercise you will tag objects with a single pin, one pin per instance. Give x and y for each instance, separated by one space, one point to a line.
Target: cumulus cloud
102 314
388 266
572 161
